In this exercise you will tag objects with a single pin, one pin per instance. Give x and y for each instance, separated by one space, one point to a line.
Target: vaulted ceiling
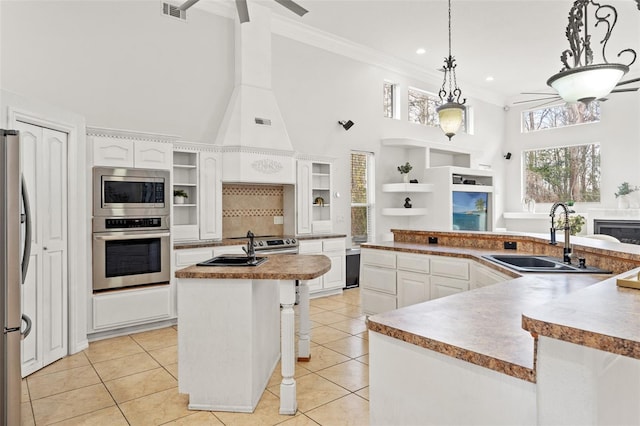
516 42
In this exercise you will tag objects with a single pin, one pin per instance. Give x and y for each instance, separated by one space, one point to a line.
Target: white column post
288 402
304 333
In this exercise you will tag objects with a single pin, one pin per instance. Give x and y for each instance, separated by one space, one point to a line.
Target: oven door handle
136 236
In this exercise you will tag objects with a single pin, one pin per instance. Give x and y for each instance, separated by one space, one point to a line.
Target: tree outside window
560 116
361 196
569 173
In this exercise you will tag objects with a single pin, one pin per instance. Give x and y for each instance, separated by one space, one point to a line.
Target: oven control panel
127 223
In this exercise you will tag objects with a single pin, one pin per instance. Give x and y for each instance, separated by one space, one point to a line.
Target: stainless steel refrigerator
15 242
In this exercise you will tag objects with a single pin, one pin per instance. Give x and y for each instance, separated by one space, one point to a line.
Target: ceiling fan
550 97
243 11
585 81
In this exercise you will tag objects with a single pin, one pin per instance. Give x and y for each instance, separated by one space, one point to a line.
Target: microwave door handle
26 254
130 236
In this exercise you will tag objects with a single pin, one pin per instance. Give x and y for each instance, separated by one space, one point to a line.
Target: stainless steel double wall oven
131 233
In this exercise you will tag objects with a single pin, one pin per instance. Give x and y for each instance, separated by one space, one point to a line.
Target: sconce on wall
346 124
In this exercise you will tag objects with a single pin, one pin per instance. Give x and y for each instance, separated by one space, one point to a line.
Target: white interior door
45 291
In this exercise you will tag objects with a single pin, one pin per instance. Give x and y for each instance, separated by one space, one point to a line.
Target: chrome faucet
249 249
567 255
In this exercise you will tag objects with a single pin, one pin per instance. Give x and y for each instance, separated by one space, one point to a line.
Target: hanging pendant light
586 81
451 112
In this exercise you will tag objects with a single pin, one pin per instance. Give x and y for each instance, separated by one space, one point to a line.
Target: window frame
523 191
370 194
555 105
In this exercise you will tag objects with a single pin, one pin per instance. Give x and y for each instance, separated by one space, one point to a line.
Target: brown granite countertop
485 326
242 241
603 316
277 267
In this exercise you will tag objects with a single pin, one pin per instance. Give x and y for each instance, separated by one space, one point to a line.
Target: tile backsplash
251 207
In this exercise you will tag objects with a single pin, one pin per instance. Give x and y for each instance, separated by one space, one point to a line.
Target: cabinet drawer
382 258
375 303
450 268
192 256
228 250
380 279
333 245
310 247
123 308
461 285
413 262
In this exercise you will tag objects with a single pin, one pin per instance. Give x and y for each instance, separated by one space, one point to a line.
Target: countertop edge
505 367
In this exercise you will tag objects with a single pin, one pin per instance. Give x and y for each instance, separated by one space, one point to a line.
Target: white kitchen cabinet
185 212
413 287
412 278
314 183
210 196
335 250
109 151
131 307
449 275
378 291
334 280
45 290
197 172
482 276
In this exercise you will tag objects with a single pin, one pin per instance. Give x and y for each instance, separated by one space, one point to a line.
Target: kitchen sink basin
232 261
531 263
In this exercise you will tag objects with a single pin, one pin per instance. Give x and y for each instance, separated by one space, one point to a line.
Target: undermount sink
232 261
531 263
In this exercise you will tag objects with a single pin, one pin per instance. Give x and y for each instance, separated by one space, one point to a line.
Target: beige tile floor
132 380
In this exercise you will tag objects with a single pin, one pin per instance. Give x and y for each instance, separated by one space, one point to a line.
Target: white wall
316 88
121 64
124 65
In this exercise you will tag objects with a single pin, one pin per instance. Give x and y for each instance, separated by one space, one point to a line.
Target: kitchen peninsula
231 331
537 349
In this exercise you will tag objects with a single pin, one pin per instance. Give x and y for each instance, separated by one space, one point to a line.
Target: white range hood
256 145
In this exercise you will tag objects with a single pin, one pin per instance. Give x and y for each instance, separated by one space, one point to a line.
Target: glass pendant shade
450 115
587 83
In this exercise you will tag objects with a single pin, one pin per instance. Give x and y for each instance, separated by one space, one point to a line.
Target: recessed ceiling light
421 51
490 78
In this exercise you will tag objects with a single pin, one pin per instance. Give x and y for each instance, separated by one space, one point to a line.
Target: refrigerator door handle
26 255
27 330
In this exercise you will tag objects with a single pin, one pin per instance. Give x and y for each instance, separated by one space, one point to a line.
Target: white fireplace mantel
610 214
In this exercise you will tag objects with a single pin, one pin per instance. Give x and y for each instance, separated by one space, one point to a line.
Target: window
553 117
362 196
390 100
562 174
422 109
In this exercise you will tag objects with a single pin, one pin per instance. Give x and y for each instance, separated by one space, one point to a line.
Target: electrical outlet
433 240
510 245
278 220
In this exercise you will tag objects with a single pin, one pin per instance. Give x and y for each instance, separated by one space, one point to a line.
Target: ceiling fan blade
635 89
546 103
553 98
537 93
292 6
187 4
633 80
243 11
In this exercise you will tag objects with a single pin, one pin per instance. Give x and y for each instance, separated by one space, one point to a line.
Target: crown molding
130 134
295 30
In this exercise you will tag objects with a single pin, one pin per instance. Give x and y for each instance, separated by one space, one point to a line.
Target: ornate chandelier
585 81
451 112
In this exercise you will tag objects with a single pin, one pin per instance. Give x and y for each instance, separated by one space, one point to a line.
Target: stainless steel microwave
130 192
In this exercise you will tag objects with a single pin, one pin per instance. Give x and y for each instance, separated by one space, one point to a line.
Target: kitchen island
537 349
232 331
